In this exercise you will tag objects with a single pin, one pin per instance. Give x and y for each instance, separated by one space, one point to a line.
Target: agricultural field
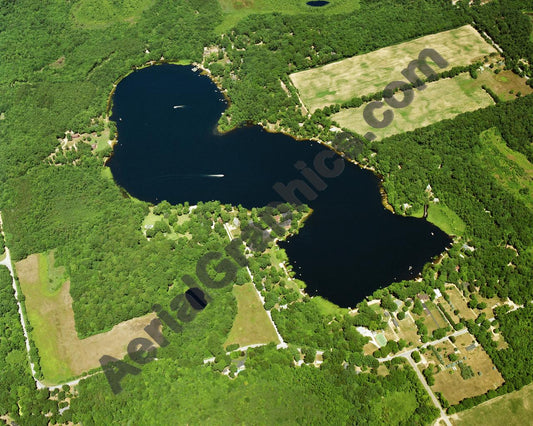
235 10
510 168
449 381
512 410
370 73
49 305
252 324
440 100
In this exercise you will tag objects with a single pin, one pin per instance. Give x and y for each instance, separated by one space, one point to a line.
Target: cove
168 149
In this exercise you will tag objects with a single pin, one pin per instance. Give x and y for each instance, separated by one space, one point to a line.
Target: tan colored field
370 73
440 100
512 410
369 348
252 324
448 309
504 83
454 387
63 355
459 302
408 330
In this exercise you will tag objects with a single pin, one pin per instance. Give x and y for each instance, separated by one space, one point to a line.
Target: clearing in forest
512 410
446 219
49 306
440 100
370 73
505 83
510 168
102 13
235 10
252 324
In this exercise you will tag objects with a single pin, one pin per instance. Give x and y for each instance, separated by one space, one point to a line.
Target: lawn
235 10
49 306
443 99
370 73
252 324
512 410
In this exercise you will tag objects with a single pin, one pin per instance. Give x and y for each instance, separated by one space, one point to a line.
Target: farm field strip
370 73
440 100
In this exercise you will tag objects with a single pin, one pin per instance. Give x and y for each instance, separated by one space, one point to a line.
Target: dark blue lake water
168 150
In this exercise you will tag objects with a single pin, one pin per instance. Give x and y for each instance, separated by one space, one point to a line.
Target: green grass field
101 13
446 219
395 407
36 283
510 168
511 410
370 73
235 10
443 99
252 324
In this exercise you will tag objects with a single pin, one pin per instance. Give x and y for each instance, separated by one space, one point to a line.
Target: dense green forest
59 62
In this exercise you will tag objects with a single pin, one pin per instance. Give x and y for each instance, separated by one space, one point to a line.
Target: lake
168 149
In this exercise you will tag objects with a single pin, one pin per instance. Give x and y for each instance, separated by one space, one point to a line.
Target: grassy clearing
446 219
506 84
235 10
369 348
408 330
50 275
252 324
432 317
395 407
366 74
449 380
151 219
512 410
63 355
101 13
443 99
458 302
510 168
326 307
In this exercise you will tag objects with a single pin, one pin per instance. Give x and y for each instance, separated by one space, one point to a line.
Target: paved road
433 342
407 356
436 402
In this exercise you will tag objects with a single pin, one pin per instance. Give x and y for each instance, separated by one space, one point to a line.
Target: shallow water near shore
168 149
